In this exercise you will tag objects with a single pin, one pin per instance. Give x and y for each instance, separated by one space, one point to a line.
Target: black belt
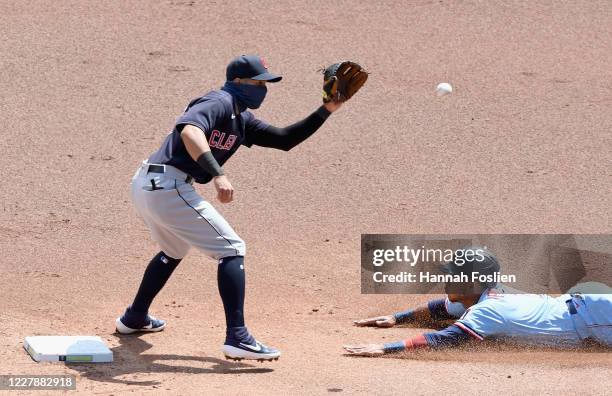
161 169
156 169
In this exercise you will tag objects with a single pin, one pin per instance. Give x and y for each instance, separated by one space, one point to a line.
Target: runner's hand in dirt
225 191
378 321
370 350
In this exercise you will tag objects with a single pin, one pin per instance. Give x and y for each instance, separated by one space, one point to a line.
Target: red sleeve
416 342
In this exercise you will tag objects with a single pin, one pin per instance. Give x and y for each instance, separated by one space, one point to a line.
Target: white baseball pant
178 217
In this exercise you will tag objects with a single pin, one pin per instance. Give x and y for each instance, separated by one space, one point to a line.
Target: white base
69 349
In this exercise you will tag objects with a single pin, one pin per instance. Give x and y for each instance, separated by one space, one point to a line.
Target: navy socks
231 281
236 335
157 273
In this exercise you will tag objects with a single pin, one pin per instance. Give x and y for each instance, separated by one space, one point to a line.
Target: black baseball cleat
256 351
133 322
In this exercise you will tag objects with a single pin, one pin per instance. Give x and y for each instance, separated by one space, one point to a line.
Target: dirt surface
90 89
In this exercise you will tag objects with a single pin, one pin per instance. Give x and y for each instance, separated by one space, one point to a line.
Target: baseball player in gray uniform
208 133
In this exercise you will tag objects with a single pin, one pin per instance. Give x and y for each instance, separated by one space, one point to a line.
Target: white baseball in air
444 89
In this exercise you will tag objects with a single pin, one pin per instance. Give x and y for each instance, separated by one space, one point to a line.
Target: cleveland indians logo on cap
263 62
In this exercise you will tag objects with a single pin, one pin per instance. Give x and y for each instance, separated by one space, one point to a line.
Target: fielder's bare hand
225 191
377 321
369 350
332 106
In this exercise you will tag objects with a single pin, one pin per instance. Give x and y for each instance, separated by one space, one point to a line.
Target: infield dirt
91 89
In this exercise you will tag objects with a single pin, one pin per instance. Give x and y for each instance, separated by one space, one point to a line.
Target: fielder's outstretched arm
288 137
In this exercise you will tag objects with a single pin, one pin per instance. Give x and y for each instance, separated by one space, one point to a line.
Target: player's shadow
129 362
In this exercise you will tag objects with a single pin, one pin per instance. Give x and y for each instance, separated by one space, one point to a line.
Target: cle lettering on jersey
221 140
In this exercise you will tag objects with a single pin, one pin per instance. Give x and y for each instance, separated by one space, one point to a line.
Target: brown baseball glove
342 80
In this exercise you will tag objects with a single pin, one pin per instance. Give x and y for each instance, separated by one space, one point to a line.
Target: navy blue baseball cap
250 66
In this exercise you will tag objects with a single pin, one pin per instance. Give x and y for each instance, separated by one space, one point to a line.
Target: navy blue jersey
225 132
